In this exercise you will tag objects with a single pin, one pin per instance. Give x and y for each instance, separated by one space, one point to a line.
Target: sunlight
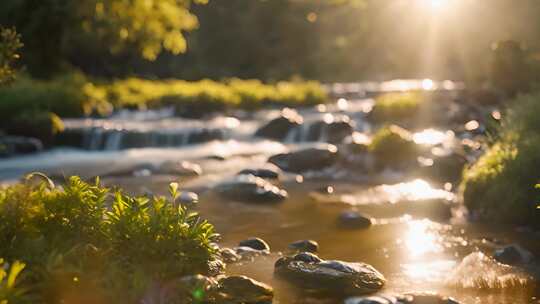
420 239
430 137
436 270
436 5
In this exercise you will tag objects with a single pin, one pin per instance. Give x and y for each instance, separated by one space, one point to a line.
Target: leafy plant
86 241
10 43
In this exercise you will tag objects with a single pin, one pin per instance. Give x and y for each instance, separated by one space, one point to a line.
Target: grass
74 95
500 186
397 106
393 146
84 243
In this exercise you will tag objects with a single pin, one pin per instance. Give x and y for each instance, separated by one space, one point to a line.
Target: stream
421 238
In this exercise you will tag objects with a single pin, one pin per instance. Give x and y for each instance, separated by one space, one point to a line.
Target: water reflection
432 137
421 238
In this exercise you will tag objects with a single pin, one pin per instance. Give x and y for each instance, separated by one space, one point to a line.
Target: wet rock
188 198
512 255
266 173
251 189
248 253
330 277
446 168
255 243
420 298
332 129
278 128
304 245
394 147
13 145
229 255
241 289
188 284
353 220
307 159
373 300
144 169
205 135
181 168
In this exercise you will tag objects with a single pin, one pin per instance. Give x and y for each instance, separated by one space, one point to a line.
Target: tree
53 28
9 45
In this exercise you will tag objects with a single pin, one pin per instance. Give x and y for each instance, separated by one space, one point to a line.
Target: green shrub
393 145
86 240
501 184
397 106
41 125
11 290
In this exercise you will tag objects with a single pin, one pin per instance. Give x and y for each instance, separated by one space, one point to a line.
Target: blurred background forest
273 40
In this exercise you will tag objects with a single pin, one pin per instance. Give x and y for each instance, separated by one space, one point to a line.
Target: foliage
397 106
501 184
9 45
393 146
54 29
88 241
10 291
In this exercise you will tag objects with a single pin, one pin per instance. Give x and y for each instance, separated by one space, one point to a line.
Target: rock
13 145
331 277
332 129
241 289
420 298
205 135
304 245
393 147
248 253
188 198
278 128
251 189
255 243
188 284
229 255
512 255
354 220
181 168
266 173
373 300
446 168
307 159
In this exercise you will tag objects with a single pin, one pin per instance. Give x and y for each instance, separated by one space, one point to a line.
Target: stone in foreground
241 289
310 159
255 243
414 298
308 271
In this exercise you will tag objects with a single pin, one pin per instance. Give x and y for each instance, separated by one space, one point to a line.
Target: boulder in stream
279 128
255 243
251 189
329 277
13 145
513 255
241 289
354 220
304 245
413 298
309 159
332 129
180 168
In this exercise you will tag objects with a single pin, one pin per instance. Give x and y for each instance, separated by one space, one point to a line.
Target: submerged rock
229 255
333 277
255 243
332 129
354 220
419 298
307 159
278 128
248 253
241 289
188 198
251 189
304 245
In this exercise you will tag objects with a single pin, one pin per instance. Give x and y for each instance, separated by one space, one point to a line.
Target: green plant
393 145
85 241
10 43
11 291
501 184
397 106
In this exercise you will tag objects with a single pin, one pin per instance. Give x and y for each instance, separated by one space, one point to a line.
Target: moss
397 106
500 186
88 241
393 146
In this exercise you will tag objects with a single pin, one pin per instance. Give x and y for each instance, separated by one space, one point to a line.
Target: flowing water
412 242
